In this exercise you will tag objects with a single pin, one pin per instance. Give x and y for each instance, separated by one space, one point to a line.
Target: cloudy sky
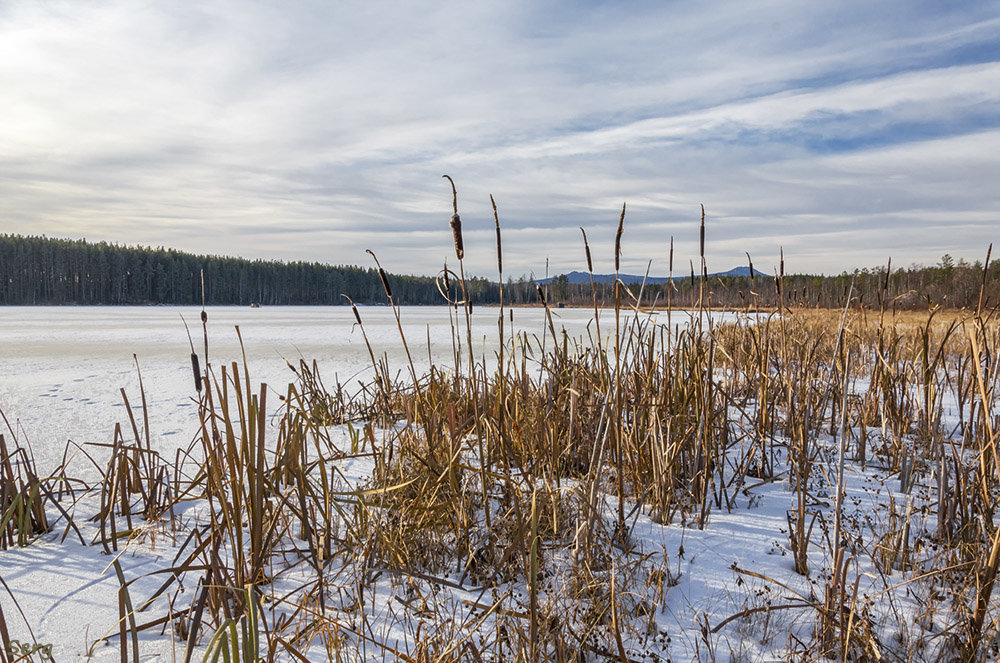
846 132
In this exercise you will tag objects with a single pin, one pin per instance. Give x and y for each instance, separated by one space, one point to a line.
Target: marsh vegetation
794 484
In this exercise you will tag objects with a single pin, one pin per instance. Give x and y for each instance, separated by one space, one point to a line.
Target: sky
844 133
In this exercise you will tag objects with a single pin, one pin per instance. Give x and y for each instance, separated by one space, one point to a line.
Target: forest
954 284
40 270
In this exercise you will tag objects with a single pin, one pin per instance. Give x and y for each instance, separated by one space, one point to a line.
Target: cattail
197 371
496 219
692 272
586 248
357 316
671 265
751 267
703 232
381 274
456 221
618 239
385 282
541 295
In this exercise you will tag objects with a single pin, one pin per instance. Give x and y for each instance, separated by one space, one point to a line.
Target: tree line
39 270
949 284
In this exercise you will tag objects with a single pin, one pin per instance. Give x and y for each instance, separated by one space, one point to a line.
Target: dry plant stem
456 226
841 453
396 314
619 443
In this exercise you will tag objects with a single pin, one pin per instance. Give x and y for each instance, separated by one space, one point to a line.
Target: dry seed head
586 247
456 220
541 295
496 218
703 232
197 372
385 282
381 273
456 232
618 239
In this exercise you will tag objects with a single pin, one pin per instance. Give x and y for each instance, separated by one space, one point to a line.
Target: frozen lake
62 368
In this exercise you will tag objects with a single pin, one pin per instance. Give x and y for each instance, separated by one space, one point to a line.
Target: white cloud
314 130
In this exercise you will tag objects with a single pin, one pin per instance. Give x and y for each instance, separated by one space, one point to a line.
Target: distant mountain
629 279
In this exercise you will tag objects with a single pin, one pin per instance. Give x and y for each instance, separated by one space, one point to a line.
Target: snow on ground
61 370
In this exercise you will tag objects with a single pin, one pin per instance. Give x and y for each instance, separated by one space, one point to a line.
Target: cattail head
385 282
541 295
456 221
496 218
671 265
197 372
204 316
586 248
381 274
781 263
354 309
618 239
702 232
456 233
751 267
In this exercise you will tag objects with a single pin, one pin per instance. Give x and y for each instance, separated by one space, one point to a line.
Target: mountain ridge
578 277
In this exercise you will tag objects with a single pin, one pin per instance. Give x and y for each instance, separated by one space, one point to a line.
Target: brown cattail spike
618 239
197 372
385 282
381 274
586 247
456 220
702 232
456 232
541 295
496 218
